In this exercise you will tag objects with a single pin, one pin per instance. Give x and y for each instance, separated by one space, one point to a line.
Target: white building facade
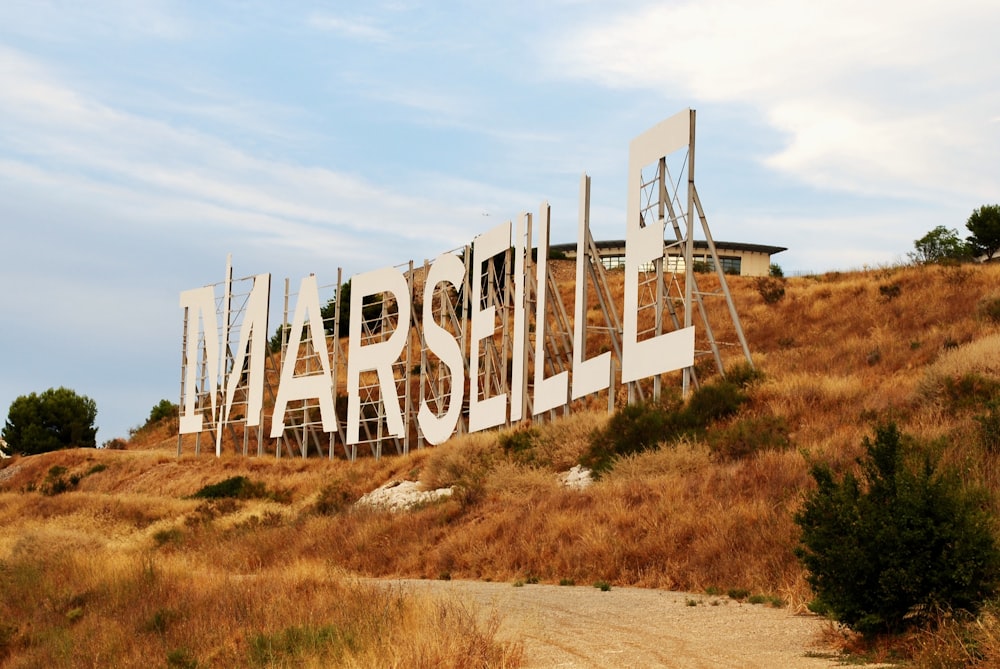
736 258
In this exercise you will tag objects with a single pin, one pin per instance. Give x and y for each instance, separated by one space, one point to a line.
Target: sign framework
476 339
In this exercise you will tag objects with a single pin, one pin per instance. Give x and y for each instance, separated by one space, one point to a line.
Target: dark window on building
613 262
731 264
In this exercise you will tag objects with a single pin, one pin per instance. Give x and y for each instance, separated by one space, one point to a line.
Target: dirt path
631 627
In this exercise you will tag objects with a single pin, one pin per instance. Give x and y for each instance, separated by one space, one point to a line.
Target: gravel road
582 626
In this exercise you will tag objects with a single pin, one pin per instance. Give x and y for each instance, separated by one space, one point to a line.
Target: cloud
109 213
894 98
361 30
152 171
105 20
849 241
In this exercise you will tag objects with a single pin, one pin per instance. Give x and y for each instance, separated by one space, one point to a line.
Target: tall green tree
984 224
371 310
939 245
55 419
274 343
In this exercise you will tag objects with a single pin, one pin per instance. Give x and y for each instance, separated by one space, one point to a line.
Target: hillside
839 353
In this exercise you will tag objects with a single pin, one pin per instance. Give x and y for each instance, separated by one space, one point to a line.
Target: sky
143 141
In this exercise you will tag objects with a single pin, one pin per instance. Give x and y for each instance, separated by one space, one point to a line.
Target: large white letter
319 385
671 350
199 304
378 356
592 375
550 392
447 268
254 323
489 412
518 377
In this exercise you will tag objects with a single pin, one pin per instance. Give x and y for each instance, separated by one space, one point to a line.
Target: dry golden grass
981 356
67 605
839 352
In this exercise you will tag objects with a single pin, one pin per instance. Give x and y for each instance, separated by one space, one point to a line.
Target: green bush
712 402
771 289
633 429
643 426
236 487
163 410
744 375
520 445
56 483
886 550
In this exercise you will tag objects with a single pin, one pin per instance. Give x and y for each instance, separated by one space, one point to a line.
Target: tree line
943 244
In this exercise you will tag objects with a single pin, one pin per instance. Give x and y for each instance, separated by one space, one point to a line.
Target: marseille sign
480 321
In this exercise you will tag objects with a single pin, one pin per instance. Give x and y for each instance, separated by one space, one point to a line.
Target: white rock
401 495
579 477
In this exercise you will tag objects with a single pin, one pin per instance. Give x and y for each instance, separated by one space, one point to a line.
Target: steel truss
669 299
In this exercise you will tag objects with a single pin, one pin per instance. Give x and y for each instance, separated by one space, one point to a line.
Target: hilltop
839 352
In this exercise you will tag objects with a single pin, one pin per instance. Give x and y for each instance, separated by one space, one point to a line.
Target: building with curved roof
738 258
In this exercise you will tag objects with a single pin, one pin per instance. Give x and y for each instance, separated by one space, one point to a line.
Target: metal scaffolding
531 331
